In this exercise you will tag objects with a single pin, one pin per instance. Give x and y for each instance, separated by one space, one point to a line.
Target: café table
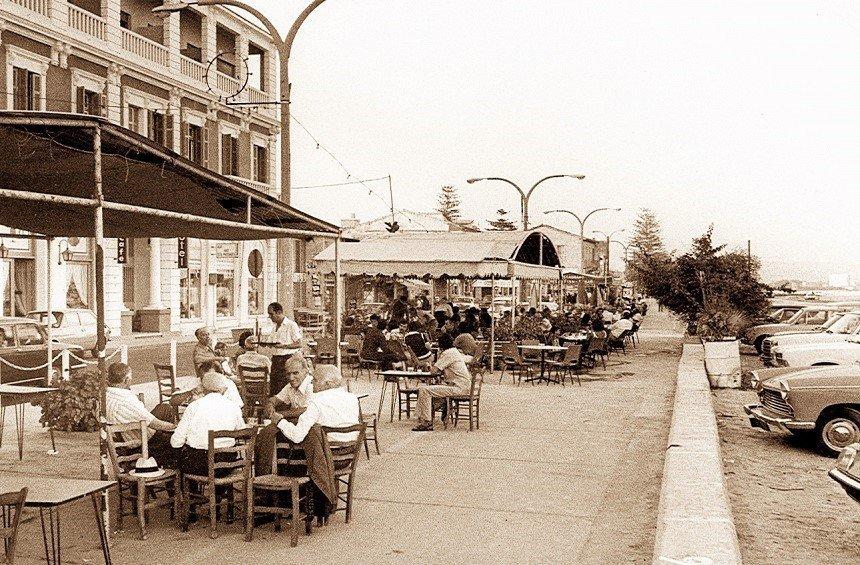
19 396
48 494
543 349
391 377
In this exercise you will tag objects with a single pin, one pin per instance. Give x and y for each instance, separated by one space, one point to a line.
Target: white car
828 353
73 325
837 329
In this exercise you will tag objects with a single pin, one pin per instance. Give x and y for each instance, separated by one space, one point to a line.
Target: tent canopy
47 186
447 254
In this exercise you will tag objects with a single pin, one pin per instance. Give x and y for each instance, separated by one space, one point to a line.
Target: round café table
543 349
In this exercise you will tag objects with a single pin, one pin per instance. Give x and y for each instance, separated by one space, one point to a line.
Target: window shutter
226 154
80 108
102 107
19 89
36 91
186 135
150 125
204 145
167 130
234 155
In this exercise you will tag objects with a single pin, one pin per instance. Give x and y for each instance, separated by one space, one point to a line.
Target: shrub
74 407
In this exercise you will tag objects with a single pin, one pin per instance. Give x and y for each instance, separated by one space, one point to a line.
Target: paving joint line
466 507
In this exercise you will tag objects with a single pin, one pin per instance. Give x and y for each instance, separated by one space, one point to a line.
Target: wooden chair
254 386
634 334
344 455
126 443
597 348
165 375
571 363
513 361
468 404
369 365
477 363
353 348
498 353
528 355
407 397
617 343
228 467
11 505
371 420
274 485
326 349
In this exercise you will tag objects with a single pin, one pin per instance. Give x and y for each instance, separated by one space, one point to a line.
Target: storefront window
224 288
255 296
190 283
78 290
223 266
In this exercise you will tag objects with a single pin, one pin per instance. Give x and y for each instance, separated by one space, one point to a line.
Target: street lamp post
606 267
582 222
284 45
525 195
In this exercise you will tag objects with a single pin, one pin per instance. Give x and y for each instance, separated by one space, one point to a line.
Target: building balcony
39 6
260 186
88 23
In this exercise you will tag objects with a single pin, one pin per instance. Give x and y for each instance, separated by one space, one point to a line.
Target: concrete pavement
555 474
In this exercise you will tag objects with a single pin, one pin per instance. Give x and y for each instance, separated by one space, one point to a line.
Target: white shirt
288 332
254 359
334 407
607 317
621 325
453 365
213 412
300 398
122 406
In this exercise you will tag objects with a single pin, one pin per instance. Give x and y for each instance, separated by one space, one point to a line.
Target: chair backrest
286 456
166 376
255 383
126 443
499 347
475 389
326 346
572 353
11 504
597 344
243 450
355 342
511 352
530 353
345 453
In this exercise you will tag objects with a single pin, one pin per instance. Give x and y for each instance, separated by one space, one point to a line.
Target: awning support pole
248 210
513 301
49 330
98 217
338 307
492 323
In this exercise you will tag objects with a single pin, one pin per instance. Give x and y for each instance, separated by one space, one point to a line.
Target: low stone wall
694 522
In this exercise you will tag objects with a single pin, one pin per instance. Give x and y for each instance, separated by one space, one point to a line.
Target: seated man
203 350
416 342
211 412
232 391
621 326
124 407
467 346
299 388
330 405
455 375
251 357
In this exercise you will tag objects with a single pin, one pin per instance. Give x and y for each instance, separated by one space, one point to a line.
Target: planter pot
723 363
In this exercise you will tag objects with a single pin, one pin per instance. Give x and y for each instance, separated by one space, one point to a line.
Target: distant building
840 280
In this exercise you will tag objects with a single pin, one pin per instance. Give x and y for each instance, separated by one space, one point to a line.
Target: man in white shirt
452 365
299 388
124 407
621 326
251 357
330 405
211 412
283 341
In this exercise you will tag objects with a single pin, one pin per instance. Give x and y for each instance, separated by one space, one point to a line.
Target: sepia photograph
438 281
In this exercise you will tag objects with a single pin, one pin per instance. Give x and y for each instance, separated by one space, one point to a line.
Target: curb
694 520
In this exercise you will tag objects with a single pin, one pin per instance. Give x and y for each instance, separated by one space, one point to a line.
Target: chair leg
471 428
375 436
213 512
348 500
186 505
249 513
294 519
141 507
366 448
120 511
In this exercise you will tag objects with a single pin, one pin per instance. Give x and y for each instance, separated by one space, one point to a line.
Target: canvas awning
46 186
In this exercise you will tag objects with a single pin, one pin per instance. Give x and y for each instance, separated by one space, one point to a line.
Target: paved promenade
555 474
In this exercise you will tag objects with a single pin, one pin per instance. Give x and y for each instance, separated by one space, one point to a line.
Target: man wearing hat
211 412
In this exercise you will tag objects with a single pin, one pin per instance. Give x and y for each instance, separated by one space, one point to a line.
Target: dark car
847 471
23 346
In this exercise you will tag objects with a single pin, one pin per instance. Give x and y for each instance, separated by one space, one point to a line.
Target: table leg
19 428
393 394
543 366
382 396
52 554
2 421
101 526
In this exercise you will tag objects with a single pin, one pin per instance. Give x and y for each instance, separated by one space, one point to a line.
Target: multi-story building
171 79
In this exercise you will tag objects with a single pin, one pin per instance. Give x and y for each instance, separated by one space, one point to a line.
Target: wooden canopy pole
492 322
338 308
49 329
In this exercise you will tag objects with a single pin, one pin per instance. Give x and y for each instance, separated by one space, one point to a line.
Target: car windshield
846 324
808 316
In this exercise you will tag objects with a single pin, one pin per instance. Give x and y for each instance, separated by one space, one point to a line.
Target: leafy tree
706 284
502 223
449 204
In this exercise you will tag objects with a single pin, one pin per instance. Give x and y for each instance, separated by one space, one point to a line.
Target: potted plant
718 327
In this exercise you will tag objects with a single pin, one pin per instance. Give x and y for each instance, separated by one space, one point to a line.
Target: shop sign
255 263
182 253
121 250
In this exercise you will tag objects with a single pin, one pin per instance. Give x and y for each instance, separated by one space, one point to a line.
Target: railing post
123 354
173 354
64 365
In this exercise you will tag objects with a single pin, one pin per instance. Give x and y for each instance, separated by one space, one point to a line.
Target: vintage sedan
821 401
73 325
810 318
23 348
847 470
837 329
842 352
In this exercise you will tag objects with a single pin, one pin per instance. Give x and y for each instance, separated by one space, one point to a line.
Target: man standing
203 350
283 341
400 306
455 376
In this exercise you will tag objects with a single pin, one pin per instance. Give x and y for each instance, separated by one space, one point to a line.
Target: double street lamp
606 266
582 223
525 194
284 46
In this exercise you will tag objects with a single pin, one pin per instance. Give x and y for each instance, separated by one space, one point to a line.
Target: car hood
819 346
815 377
789 339
772 329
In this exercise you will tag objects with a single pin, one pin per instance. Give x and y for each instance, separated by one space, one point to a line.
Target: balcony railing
226 84
87 22
146 48
192 68
40 6
258 96
261 186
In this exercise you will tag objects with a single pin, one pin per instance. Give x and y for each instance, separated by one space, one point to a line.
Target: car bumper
849 483
760 418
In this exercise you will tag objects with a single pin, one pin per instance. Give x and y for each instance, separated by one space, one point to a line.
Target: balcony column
112 93
172 39
242 64
110 12
175 116
59 10
273 188
271 84
209 41
154 317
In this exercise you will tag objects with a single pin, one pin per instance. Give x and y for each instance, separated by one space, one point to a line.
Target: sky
741 114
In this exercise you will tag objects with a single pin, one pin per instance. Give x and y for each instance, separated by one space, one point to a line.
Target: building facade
173 80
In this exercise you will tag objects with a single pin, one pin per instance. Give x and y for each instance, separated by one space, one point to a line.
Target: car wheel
759 343
837 430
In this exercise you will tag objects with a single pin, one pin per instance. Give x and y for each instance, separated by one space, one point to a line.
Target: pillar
172 40
209 41
154 317
112 93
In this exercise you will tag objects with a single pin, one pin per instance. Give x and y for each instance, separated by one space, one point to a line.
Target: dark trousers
278 375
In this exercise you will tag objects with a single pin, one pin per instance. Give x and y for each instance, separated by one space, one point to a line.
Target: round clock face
221 76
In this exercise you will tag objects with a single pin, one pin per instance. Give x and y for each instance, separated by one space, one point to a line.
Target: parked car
847 471
23 343
807 319
822 401
836 329
842 352
74 325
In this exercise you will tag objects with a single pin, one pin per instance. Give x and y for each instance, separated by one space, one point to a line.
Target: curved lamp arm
512 183
267 23
535 185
